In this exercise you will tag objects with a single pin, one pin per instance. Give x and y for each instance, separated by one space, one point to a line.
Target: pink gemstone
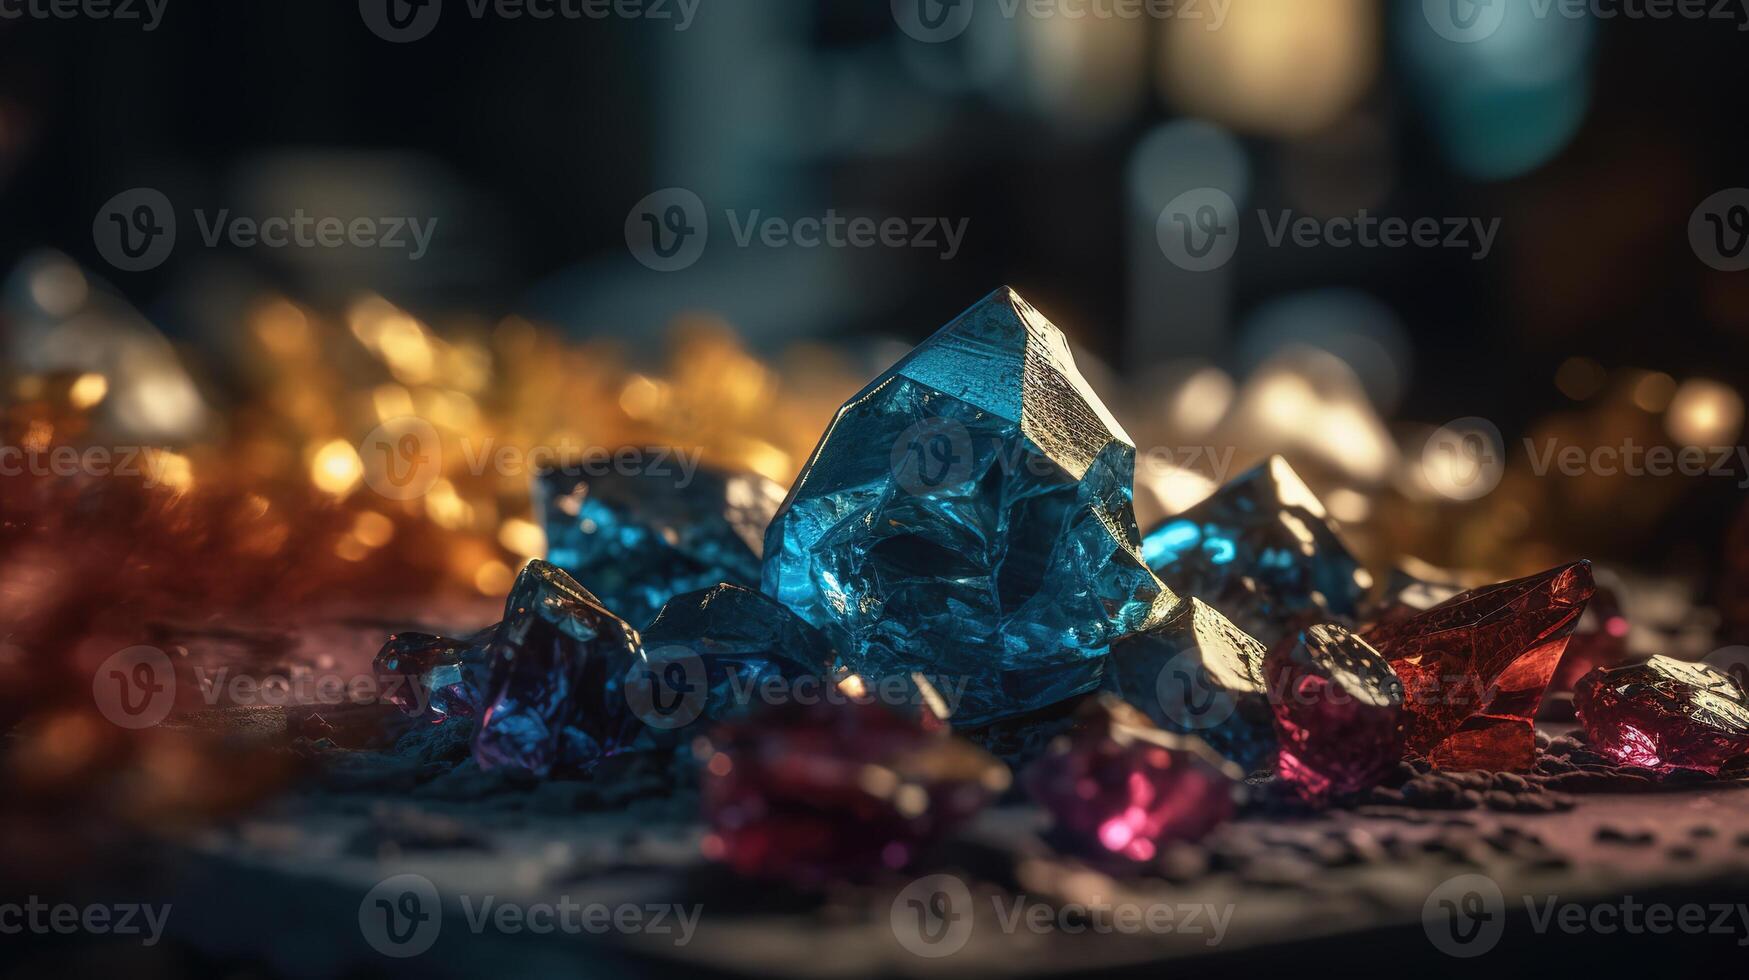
1121 788
1491 652
836 789
1665 714
1338 712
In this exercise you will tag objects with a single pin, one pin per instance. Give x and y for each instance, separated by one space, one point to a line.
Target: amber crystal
1486 652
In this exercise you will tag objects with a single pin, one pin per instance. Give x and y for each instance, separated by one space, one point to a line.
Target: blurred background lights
1277 68
1705 413
1355 327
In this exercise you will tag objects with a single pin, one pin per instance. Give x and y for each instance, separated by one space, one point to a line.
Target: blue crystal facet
559 660
968 515
641 538
1262 550
716 653
1199 674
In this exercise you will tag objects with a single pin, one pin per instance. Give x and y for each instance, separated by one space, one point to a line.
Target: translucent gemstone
1198 673
641 538
714 654
433 676
968 515
1120 788
1665 714
1499 742
816 791
1487 652
559 660
1338 711
1262 550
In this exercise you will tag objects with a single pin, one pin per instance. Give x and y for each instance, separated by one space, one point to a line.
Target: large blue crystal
715 654
559 661
640 535
968 515
1264 552
1199 674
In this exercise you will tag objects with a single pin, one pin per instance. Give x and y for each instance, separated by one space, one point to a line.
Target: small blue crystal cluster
964 524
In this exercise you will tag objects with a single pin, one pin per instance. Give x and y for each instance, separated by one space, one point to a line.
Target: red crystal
1338 712
1121 788
1665 714
1489 651
835 788
1499 742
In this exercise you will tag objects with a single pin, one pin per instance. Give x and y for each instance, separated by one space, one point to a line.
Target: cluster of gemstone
960 550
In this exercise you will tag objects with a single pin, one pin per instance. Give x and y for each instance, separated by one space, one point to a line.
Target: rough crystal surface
1338 712
968 514
1197 673
812 792
1665 714
715 653
559 660
1121 788
1490 652
435 677
1264 551
641 537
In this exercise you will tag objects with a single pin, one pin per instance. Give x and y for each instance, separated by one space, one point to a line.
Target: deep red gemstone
1338 712
1121 788
836 789
1665 714
1490 651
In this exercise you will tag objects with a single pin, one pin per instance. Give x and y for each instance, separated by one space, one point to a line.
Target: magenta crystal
811 792
1665 714
1120 788
1338 712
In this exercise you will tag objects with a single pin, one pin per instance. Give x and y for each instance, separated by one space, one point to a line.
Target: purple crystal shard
1665 714
559 660
1120 788
1264 551
435 677
968 515
1197 673
818 791
1488 653
1338 712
